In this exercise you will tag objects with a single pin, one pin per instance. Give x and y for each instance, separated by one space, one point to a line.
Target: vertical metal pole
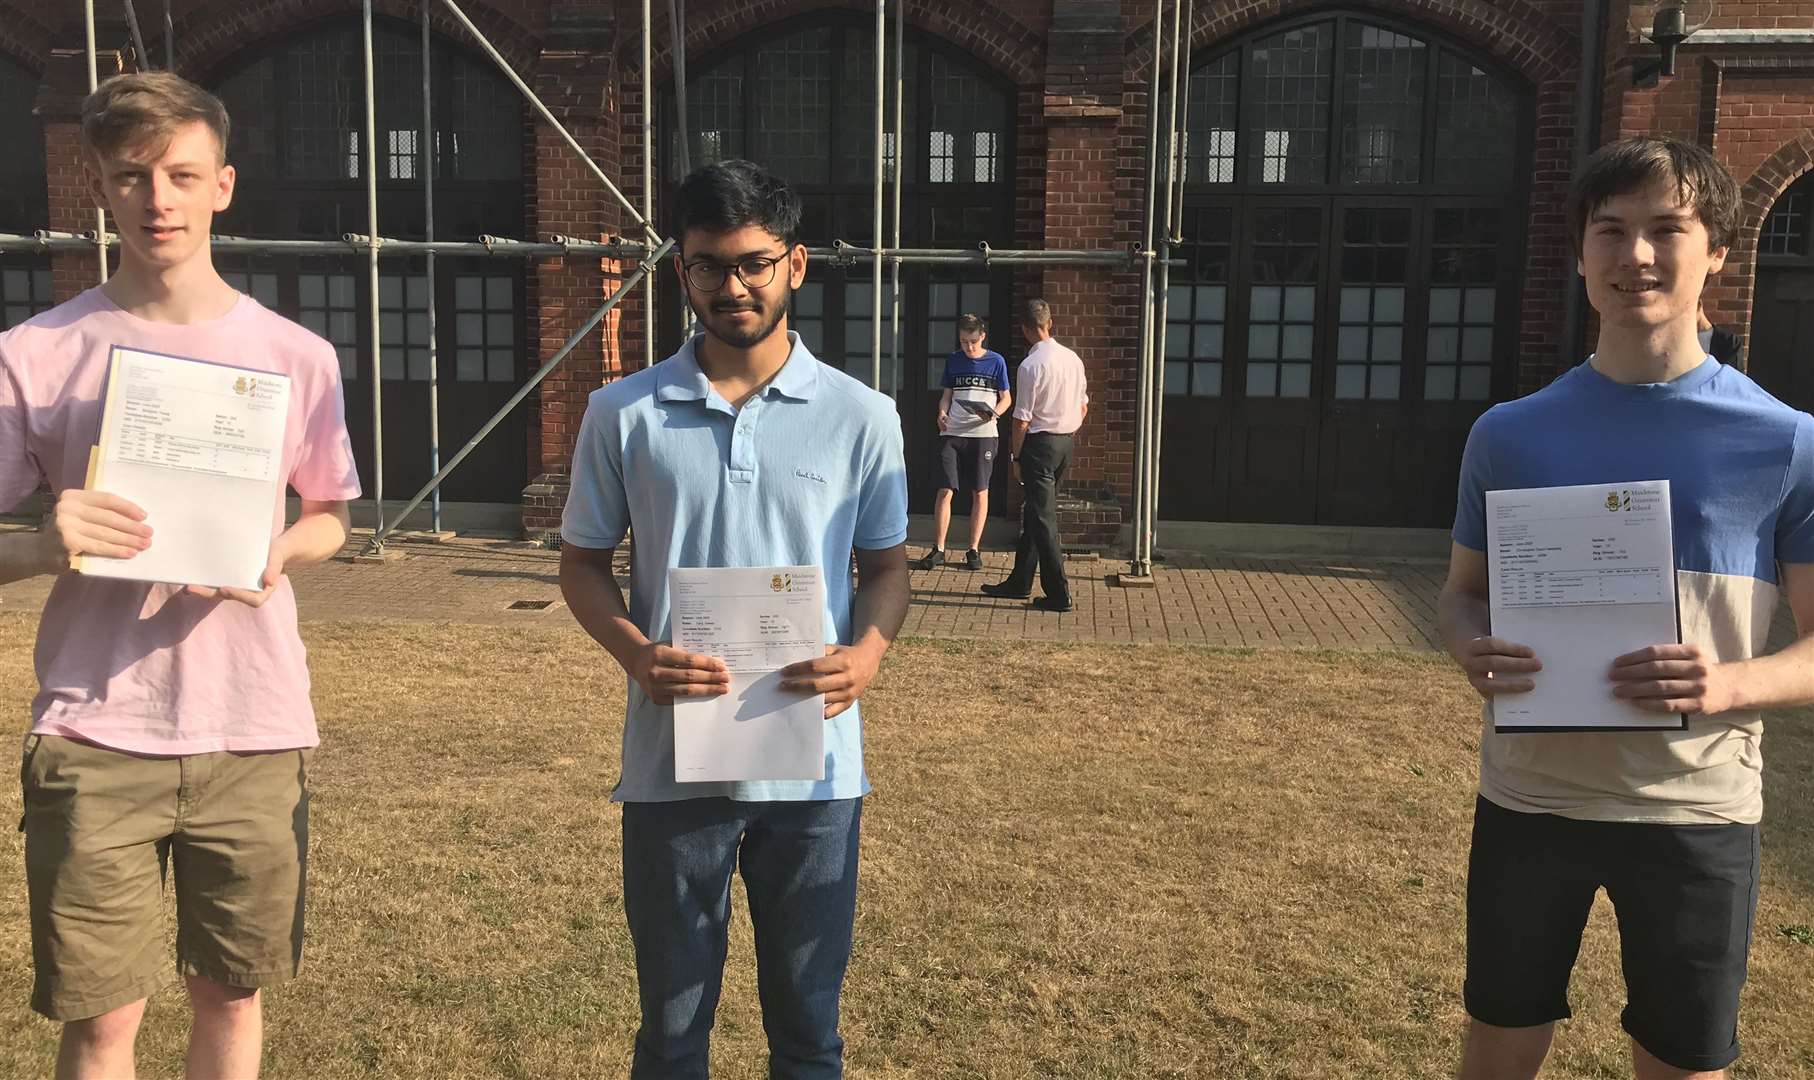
900 175
371 253
648 184
1141 564
677 21
1164 291
875 264
100 216
428 159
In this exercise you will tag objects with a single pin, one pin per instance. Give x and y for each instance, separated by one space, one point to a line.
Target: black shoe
1006 592
1046 603
933 560
973 559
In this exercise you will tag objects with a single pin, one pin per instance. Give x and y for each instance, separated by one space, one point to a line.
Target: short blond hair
138 113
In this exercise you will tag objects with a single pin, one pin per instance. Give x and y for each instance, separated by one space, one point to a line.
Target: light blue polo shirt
808 469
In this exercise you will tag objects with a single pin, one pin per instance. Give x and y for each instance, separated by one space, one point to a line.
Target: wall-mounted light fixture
1668 29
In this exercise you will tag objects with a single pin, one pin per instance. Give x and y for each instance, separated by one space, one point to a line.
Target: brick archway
24 39
1757 196
210 37
983 31
1514 33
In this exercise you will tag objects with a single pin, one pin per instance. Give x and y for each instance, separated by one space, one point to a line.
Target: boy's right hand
942 421
93 523
665 673
1496 666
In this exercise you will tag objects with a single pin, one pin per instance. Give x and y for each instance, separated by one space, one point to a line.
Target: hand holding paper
1496 666
842 675
96 523
666 673
1673 679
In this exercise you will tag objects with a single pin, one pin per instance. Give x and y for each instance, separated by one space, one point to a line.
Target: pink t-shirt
149 668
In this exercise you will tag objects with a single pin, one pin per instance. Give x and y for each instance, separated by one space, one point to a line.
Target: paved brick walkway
1228 600
1211 600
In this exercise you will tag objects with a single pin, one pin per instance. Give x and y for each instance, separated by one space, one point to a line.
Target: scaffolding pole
535 102
371 249
1141 566
1178 162
429 159
900 144
648 185
875 265
677 29
376 544
1162 293
138 39
100 216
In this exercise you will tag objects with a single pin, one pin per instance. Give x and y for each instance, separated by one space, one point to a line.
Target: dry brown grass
1088 862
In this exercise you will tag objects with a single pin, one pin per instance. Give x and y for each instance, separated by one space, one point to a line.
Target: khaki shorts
102 830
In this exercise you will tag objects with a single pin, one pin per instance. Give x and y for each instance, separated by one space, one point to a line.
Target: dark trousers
1044 457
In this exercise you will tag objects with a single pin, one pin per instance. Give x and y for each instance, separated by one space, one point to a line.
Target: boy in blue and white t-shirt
1664 820
976 394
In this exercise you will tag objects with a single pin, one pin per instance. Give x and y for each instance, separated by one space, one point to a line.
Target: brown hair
972 324
1630 165
1037 315
136 114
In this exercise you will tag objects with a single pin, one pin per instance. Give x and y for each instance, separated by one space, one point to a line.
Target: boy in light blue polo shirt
741 449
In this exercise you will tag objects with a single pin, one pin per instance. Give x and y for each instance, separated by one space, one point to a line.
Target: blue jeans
799 866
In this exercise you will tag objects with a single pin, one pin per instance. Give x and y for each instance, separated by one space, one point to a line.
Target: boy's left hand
842 675
1673 679
249 597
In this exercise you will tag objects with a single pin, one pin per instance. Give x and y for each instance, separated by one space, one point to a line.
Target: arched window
309 91
1780 354
1788 232
1352 215
298 111
24 198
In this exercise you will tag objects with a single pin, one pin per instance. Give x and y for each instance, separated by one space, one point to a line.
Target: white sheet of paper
758 621
1582 575
198 447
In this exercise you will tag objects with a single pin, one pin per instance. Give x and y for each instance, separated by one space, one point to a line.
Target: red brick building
1374 237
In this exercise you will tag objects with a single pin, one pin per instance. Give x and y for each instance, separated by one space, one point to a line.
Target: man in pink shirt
1050 404
172 726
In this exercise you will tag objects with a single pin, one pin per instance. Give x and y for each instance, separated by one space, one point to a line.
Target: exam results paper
1582 575
758 621
197 446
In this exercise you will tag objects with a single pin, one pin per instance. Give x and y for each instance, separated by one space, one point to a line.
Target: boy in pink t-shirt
172 725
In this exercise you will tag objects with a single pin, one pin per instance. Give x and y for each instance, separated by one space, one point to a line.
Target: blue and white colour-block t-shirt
1740 466
809 468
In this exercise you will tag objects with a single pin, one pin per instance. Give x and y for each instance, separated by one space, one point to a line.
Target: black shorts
1685 896
965 463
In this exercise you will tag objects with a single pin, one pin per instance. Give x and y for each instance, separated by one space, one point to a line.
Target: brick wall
1751 104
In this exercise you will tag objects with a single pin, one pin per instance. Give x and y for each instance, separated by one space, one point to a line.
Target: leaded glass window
1289 76
1382 110
1786 230
1476 124
299 111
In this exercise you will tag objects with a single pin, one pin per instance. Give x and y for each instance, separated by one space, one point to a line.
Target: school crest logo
1616 501
241 387
781 583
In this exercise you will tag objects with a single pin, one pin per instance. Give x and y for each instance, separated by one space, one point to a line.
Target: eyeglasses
707 275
